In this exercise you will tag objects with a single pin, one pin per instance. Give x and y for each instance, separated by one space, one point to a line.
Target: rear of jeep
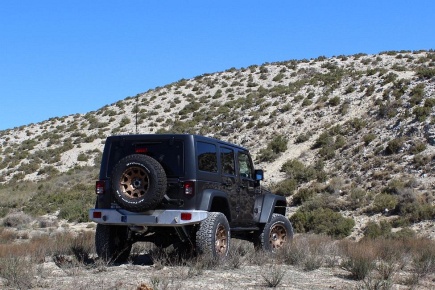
145 192
173 189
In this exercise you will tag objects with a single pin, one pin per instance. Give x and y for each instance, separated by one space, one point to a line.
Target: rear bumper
171 218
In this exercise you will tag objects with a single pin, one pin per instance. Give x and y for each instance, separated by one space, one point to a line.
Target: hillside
358 132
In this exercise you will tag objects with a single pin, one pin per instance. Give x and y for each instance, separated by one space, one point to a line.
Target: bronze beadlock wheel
278 236
213 237
275 234
134 182
138 183
221 240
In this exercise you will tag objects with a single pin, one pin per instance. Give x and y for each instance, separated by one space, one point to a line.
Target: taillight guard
189 188
100 187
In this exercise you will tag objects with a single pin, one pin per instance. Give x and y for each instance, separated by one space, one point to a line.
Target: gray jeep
183 190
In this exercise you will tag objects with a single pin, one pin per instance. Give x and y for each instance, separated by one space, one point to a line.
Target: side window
227 160
245 166
207 157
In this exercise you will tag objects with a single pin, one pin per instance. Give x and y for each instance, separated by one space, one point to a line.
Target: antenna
137 109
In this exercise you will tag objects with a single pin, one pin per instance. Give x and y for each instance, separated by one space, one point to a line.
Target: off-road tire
213 236
275 234
112 243
138 183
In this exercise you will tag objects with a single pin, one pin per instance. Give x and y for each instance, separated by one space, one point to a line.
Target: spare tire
138 183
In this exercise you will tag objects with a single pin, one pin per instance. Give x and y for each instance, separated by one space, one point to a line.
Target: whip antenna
137 109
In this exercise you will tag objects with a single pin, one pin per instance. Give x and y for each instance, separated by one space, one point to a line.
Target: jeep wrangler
189 191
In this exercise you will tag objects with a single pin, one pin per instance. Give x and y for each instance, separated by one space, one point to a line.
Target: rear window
169 153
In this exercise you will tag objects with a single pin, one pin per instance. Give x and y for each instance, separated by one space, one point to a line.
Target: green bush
426 73
369 138
417 94
322 221
302 138
274 148
82 157
417 147
285 187
294 169
303 195
374 230
278 144
384 201
394 146
421 113
124 121
335 101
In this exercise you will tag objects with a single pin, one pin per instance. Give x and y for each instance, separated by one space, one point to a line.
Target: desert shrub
49 170
266 155
357 198
303 195
274 148
335 101
421 113
322 221
124 121
285 187
425 73
389 78
278 77
421 160
82 157
272 275
278 144
374 230
307 102
369 138
302 138
429 102
384 201
417 147
359 258
415 211
309 252
294 169
17 220
71 202
349 89
17 271
394 146
417 94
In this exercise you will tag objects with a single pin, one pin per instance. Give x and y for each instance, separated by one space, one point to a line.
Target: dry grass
375 263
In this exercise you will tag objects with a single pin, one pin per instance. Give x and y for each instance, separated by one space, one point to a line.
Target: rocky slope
367 122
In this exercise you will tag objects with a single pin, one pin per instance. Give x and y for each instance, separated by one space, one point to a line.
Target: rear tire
213 236
112 243
275 234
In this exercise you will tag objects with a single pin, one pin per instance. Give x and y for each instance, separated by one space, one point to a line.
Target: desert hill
350 128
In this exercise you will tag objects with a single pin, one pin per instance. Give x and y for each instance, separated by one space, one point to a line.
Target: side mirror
259 174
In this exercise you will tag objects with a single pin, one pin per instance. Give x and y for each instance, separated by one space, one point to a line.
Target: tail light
99 187
189 188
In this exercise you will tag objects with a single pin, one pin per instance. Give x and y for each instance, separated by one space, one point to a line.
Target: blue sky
74 56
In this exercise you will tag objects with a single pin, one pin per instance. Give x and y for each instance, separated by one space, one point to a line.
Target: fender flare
209 195
267 205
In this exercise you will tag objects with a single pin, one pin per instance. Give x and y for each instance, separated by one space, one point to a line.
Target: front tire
275 234
112 243
213 236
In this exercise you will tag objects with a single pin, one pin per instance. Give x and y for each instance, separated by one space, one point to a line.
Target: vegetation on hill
342 137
